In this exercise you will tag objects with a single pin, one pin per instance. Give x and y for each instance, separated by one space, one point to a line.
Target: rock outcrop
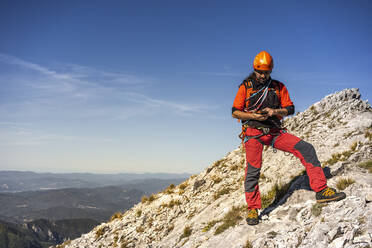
208 209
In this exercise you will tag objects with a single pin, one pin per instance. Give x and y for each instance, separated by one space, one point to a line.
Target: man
260 104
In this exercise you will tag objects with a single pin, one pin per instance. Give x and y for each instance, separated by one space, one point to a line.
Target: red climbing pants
285 142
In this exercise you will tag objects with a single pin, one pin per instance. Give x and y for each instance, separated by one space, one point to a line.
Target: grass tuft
368 135
229 220
220 163
216 179
343 156
116 215
183 185
343 183
210 225
172 203
366 165
139 213
170 189
223 191
186 232
100 231
316 209
248 244
275 194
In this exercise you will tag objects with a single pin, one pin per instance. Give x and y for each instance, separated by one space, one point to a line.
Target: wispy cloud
83 88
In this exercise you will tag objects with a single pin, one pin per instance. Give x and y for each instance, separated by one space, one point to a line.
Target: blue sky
147 86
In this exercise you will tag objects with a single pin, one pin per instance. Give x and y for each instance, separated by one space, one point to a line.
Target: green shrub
343 183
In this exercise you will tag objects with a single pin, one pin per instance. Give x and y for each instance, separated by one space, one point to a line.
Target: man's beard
262 80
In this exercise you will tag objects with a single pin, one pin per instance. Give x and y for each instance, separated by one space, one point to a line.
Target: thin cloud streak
77 83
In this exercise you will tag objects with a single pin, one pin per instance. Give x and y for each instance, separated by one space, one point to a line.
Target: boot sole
252 223
331 199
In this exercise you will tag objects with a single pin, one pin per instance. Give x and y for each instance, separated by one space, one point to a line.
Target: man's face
262 76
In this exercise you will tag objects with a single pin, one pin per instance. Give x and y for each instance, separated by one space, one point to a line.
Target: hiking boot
329 194
252 217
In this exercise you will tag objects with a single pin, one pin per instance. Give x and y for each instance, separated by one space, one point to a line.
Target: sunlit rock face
208 209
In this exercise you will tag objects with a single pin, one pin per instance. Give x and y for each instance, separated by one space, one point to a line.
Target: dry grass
275 194
316 209
186 232
116 215
216 179
183 185
223 191
170 189
229 220
210 225
64 244
368 135
366 165
248 244
171 204
139 213
100 231
343 183
220 163
336 157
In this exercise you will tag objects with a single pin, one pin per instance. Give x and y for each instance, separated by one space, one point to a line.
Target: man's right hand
260 117
249 115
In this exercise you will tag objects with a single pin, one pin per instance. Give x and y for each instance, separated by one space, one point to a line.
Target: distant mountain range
34 215
17 181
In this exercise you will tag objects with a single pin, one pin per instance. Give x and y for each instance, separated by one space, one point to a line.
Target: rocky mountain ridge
208 209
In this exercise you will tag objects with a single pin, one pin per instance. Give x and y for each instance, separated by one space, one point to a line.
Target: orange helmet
263 62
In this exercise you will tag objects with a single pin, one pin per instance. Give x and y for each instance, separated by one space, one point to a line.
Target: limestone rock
339 127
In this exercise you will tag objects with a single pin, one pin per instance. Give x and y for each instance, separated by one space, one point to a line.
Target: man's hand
270 111
260 117
273 112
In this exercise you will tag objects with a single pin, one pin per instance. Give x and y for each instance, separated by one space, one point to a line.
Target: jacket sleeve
285 100
239 100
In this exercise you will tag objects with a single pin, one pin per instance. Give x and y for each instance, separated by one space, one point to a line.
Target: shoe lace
252 214
328 192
